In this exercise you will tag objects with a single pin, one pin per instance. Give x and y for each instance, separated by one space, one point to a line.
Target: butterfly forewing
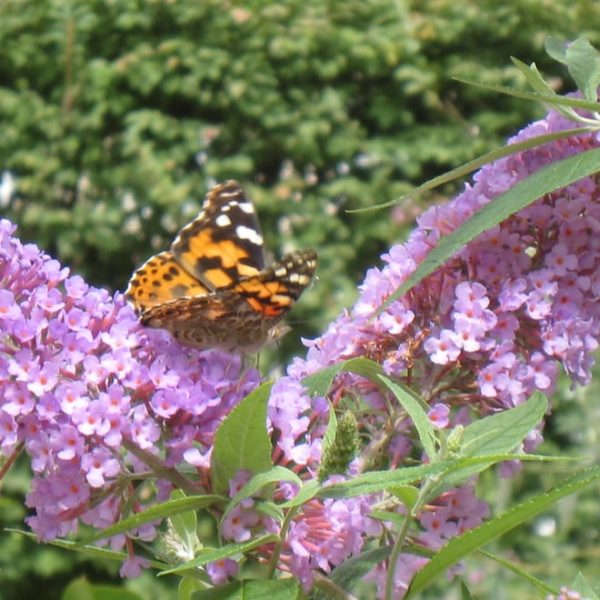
224 242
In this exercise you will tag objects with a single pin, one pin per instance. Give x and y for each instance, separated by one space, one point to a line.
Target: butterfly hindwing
273 292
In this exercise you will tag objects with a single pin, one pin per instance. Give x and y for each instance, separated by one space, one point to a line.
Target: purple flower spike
480 335
79 377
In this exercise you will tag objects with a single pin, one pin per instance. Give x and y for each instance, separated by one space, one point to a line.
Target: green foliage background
117 115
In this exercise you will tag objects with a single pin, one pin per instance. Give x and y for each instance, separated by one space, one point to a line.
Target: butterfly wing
160 280
242 316
273 291
224 242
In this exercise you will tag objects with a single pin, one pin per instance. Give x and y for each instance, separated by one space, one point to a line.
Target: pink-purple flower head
481 334
79 377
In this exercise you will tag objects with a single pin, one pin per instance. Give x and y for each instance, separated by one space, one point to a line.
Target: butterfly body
212 288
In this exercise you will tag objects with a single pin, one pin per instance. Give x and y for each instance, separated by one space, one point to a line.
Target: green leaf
242 440
459 547
465 594
318 383
534 77
89 551
263 589
584 588
496 434
474 164
188 586
583 62
270 509
185 524
556 49
379 481
260 480
551 99
503 431
352 571
547 179
208 555
81 589
407 494
160 511
329 437
388 516
308 491
521 572
417 413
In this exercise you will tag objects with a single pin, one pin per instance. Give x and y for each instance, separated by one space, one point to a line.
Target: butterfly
212 289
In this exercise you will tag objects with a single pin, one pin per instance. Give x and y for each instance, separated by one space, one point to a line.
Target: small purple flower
439 415
222 570
133 567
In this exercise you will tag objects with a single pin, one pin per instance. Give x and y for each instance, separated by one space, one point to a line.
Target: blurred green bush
116 116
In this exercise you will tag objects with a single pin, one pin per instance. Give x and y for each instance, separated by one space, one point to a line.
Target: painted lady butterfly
212 288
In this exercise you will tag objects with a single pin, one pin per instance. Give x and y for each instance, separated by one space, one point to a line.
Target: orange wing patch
161 279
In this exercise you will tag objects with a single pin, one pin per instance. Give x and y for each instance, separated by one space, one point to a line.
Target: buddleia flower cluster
87 392
92 397
494 324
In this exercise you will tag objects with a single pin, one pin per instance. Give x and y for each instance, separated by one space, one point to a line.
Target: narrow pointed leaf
417 414
89 551
547 179
185 523
158 512
552 99
209 555
583 62
556 49
503 431
584 588
533 77
253 589
259 481
379 481
459 547
474 164
543 587
318 383
352 571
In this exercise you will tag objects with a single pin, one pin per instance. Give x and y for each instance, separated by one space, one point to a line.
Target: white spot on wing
223 221
245 233
247 207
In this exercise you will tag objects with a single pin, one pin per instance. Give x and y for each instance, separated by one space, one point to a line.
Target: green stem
279 546
331 589
159 468
424 493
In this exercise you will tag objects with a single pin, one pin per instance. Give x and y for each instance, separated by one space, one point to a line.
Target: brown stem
10 460
161 470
